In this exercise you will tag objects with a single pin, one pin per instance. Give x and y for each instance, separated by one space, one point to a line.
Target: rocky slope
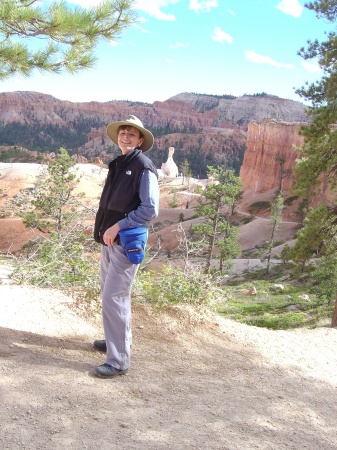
17 180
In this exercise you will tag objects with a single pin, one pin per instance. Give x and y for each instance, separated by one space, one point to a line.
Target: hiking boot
107 371
100 345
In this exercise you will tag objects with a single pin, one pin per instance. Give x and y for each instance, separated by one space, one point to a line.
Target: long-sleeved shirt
149 206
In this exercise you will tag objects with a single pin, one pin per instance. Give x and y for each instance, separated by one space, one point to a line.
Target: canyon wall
185 112
269 143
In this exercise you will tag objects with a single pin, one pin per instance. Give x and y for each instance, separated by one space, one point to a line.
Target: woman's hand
110 235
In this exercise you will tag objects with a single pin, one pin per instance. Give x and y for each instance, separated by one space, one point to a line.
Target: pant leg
117 275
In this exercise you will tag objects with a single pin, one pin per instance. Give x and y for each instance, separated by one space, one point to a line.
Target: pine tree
186 171
60 37
320 137
62 253
220 194
318 165
309 239
54 200
276 217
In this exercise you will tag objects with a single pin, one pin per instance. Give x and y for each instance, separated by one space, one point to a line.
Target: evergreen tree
61 255
185 170
54 200
318 165
320 137
221 193
276 217
229 247
60 37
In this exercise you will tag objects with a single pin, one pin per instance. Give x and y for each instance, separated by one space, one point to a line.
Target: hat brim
112 131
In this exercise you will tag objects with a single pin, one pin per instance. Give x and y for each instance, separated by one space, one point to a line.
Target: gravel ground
194 383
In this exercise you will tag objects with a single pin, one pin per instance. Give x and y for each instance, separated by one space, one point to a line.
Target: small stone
278 287
293 307
252 291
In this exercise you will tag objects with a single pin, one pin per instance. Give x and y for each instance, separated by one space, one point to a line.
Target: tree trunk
334 316
212 241
209 255
270 247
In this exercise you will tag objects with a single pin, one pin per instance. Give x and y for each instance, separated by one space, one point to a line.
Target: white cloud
221 36
169 61
178 45
231 12
203 5
311 67
261 59
291 7
153 8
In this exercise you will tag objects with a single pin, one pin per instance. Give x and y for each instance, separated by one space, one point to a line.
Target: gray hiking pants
117 275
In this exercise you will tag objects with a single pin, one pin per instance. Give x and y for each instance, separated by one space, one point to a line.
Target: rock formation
187 113
79 159
207 130
170 168
270 155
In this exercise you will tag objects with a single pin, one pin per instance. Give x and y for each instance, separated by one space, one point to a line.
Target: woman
130 199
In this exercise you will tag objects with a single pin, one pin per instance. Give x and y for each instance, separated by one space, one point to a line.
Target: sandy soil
194 383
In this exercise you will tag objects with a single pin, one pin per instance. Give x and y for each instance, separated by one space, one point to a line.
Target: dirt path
193 384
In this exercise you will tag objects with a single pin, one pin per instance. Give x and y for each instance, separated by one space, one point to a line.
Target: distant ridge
204 129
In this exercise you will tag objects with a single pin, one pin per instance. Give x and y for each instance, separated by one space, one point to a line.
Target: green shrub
290 200
269 308
246 220
171 285
51 264
258 206
279 322
173 203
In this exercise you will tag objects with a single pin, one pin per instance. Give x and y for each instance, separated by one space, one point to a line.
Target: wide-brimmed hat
132 121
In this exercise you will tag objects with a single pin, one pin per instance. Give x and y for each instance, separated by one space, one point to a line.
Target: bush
64 255
51 264
290 200
258 206
173 286
269 308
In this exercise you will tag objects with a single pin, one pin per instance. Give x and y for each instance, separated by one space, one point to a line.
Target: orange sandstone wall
267 141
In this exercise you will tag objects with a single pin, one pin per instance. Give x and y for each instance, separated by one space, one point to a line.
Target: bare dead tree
156 253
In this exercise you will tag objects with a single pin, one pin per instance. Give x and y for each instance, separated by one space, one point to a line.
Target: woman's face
129 138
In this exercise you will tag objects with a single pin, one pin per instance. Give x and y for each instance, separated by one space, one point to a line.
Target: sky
215 47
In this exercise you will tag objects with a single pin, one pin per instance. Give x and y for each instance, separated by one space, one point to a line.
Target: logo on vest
128 172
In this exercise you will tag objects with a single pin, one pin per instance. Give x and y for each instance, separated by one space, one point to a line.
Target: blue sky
203 46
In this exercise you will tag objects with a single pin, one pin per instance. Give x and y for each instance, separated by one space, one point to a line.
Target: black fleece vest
120 194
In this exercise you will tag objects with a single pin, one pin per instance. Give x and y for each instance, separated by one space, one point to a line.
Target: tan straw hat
131 121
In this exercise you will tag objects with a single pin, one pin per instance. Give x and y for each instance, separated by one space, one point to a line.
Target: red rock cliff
267 142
